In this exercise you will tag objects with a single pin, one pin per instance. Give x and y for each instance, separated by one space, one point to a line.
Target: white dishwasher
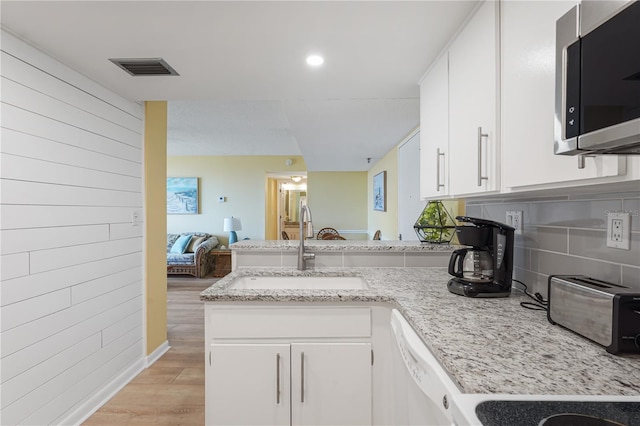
422 390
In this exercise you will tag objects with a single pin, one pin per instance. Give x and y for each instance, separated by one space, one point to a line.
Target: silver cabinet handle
438 184
581 159
277 378
480 136
301 376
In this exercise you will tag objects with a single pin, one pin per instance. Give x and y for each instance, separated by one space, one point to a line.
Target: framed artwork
182 195
380 192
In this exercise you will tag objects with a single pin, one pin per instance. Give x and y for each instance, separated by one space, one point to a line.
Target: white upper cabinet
434 137
474 140
487 110
528 87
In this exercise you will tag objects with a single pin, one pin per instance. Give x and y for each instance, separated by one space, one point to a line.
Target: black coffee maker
484 268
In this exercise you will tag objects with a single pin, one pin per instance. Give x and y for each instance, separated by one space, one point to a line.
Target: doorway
285 194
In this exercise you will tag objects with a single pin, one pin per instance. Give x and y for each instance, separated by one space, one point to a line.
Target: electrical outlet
616 230
514 219
619 230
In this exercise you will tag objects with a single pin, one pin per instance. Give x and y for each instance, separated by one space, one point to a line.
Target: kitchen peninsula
486 346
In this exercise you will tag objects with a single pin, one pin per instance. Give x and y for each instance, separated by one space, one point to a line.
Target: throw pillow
194 243
181 244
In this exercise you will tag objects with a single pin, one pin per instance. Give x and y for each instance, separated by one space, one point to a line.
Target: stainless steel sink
296 283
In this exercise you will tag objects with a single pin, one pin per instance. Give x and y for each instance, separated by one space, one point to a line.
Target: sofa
193 257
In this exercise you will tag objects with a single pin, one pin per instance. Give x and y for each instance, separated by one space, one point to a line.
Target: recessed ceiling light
315 60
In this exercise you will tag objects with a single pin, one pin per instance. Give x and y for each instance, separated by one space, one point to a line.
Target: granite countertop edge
486 345
342 245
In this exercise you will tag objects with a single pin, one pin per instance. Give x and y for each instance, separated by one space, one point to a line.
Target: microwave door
598 84
610 83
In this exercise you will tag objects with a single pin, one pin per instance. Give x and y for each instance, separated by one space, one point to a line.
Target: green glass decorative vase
435 224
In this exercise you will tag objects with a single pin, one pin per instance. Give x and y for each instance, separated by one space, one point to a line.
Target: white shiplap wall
71 296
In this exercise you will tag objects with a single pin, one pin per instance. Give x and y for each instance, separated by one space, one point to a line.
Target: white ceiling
244 87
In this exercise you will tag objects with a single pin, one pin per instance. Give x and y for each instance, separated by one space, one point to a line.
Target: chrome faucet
302 256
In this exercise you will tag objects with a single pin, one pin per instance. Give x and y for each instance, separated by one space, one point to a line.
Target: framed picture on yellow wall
380 192
182 195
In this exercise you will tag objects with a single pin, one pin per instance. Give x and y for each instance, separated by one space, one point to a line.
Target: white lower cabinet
248 384
290 384
331 384
275 367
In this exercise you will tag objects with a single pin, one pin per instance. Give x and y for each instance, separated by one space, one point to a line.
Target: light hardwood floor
171 391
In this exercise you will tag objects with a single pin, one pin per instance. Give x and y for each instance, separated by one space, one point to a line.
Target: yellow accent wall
386 222
271 207
241 180
339 200
155 222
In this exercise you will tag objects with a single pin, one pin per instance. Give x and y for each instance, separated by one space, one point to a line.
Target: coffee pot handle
457 256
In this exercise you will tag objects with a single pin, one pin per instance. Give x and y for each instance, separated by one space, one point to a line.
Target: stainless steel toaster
607 313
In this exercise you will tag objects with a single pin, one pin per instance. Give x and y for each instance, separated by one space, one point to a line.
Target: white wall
71 261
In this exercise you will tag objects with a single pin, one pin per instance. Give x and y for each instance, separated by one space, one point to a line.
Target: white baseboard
93 404
90 406
155 355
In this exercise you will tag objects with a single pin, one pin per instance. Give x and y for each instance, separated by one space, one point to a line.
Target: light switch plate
136 218
619 230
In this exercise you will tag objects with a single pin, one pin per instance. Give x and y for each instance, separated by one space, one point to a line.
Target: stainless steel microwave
598 79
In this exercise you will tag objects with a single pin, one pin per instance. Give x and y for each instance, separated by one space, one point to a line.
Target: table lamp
231 225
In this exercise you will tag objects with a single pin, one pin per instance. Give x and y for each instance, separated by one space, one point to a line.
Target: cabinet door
331 384
434 131
473 92
248 384
528 85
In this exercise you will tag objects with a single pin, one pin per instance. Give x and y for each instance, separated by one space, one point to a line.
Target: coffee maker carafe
484 268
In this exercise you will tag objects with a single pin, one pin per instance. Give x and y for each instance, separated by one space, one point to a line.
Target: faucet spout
302 255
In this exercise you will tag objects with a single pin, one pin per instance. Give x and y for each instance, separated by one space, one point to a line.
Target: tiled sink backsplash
567 235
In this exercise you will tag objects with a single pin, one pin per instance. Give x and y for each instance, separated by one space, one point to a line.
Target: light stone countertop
486 345
342 245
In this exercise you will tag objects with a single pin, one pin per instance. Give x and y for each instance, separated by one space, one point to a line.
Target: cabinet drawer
288 322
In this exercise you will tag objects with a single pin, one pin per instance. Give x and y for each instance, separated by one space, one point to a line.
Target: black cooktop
554 413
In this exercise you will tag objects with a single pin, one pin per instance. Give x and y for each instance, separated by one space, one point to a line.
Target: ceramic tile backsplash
383 260
327 260
593 244
544 238
573 214
245 258
630 277
633 207
420 260
567 235
347 258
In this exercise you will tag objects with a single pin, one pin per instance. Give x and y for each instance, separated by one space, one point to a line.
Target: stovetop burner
558 413
571 419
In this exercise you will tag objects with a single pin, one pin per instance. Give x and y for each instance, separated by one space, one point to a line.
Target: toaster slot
596 283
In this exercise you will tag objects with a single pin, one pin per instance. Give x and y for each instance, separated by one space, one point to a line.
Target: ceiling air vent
145 66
